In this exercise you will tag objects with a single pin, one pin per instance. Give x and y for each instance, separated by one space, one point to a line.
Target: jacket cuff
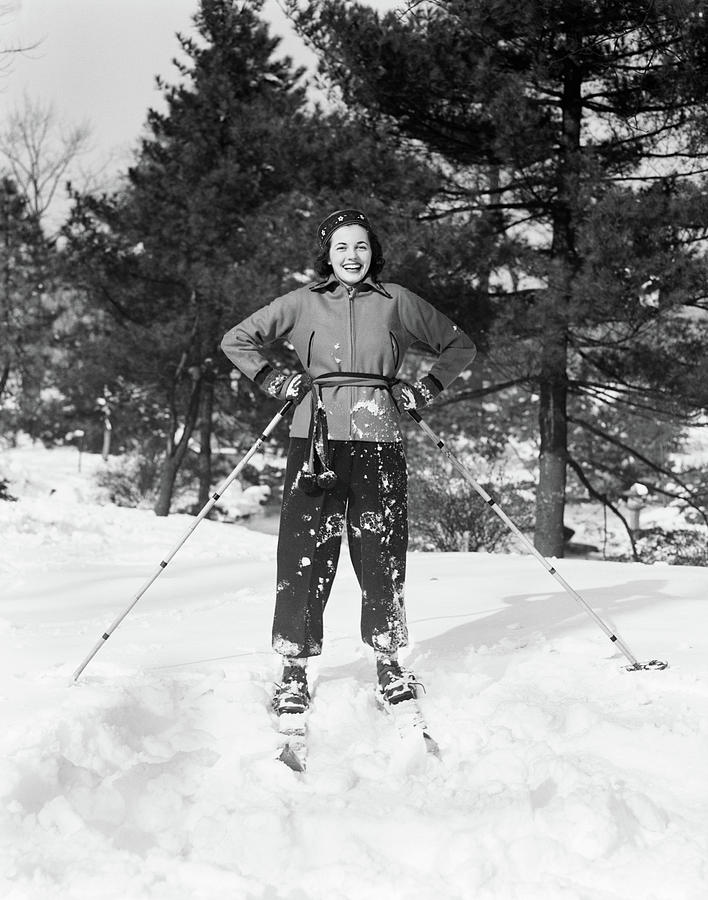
262 374
432 384
274 383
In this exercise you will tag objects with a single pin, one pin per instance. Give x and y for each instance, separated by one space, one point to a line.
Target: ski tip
431 745
291 759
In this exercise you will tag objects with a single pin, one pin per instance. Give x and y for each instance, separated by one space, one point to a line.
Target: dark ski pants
371 497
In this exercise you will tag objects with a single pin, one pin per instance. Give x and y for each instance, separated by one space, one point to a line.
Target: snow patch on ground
154 777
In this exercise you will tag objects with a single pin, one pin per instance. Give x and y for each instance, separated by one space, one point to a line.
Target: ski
293 727
431 745
290 704
408 718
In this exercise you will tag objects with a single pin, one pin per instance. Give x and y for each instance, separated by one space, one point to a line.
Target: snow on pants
371 497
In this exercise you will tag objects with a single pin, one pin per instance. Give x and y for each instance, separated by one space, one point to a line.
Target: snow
153 777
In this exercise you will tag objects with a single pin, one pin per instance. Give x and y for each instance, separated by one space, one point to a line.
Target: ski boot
396 685
292 696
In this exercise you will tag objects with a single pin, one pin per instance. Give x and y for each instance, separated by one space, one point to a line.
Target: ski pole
201 515
491 502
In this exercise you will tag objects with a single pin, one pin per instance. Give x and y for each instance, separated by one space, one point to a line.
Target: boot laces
397 684
292 695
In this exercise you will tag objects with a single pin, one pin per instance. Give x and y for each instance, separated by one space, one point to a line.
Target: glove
286 387
298 387
417 395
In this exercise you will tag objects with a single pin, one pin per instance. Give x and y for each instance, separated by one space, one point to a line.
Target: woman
345 460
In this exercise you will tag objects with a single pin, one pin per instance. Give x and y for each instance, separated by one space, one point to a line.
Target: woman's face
350 253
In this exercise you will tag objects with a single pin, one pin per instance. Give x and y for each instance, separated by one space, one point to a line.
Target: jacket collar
331 284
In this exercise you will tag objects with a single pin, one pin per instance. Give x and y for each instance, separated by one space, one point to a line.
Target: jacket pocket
309 350
395 349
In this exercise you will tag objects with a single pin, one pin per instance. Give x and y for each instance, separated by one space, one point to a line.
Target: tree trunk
107 432
550 494
553 381
205 429
175 454
4 377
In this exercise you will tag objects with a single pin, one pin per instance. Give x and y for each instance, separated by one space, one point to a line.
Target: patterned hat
339 218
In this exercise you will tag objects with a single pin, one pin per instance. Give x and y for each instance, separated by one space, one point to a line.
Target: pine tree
549 116
27 309
166 250
217 217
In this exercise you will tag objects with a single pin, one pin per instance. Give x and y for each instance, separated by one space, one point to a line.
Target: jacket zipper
352 337
351 292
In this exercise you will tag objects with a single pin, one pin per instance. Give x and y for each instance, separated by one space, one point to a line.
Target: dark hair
323 267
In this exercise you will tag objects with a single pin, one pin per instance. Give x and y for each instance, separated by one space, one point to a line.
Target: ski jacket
364 329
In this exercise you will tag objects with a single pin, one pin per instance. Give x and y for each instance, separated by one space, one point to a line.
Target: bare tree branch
7 53
605 500
653 465
39 152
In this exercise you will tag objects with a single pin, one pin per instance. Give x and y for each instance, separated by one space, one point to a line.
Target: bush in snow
5 492
269 475
129 480
447 514
677 547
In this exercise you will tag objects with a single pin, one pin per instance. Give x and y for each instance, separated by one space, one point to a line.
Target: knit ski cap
339 218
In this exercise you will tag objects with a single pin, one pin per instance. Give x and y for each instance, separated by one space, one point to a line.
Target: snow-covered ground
154 777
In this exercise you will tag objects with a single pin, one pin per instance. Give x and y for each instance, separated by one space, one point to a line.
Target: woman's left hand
414 396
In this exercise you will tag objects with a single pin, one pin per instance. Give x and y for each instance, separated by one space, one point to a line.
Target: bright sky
96 61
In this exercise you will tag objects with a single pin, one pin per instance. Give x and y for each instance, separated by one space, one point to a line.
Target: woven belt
318 450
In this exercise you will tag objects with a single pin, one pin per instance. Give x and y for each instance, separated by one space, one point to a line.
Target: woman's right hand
298 387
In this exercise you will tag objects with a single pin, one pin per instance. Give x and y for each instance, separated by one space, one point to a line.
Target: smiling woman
350 255
346 462
356 251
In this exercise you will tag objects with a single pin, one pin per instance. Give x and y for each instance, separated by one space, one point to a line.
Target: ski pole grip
415 415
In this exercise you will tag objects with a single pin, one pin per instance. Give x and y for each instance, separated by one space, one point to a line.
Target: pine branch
647 412
662 178
123 311
481 392
607 392
605 500
654 466
654 487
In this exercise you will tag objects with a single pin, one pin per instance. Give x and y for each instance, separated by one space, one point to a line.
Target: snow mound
155 777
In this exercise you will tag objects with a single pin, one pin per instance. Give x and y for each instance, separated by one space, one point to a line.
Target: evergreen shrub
447 514
130 480
5 491
677 546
